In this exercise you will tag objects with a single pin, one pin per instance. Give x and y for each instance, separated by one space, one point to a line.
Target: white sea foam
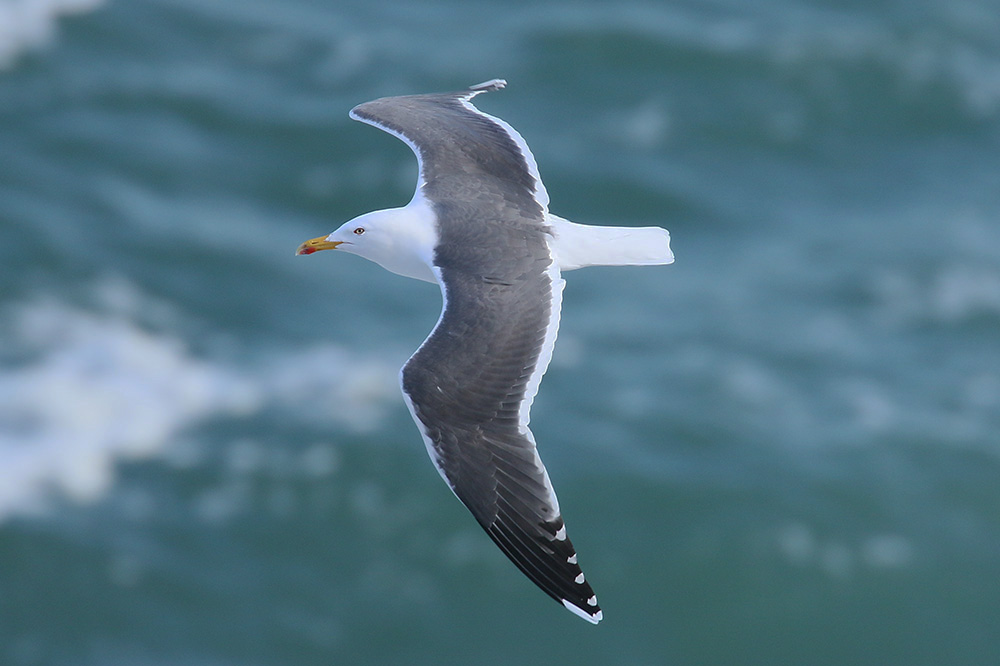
838 559
28 24
98 388
951 295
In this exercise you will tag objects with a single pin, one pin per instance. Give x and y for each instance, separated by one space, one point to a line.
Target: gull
478 225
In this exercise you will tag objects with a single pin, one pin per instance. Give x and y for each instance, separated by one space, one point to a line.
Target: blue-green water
783 449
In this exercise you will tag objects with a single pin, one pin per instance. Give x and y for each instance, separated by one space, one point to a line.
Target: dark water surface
783 449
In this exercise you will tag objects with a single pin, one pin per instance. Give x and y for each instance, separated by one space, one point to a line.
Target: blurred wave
781 449
90 390
30 24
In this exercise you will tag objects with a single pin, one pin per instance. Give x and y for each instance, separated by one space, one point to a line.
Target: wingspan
470 385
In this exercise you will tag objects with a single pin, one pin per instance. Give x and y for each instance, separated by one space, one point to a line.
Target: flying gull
478 225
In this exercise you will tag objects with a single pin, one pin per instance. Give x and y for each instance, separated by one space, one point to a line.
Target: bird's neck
410 243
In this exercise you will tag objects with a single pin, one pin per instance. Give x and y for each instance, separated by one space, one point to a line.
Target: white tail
578 245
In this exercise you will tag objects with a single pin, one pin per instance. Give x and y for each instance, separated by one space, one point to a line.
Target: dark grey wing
471 383
468 389
454 141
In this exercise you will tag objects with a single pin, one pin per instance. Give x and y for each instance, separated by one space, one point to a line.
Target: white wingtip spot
593 619
561 534
571 559
579 579
489 86
592 601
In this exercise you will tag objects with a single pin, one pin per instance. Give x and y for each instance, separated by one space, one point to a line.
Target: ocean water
782 449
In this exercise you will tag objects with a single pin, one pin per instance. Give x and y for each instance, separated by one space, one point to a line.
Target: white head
400 240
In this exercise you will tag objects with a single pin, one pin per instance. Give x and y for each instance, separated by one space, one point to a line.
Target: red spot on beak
317 244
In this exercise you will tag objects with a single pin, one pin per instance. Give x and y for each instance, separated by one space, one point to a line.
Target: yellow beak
317 244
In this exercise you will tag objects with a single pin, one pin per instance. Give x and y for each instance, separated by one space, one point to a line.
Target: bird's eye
358 231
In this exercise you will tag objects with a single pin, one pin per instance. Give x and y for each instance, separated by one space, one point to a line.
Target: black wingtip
549 560
592 613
